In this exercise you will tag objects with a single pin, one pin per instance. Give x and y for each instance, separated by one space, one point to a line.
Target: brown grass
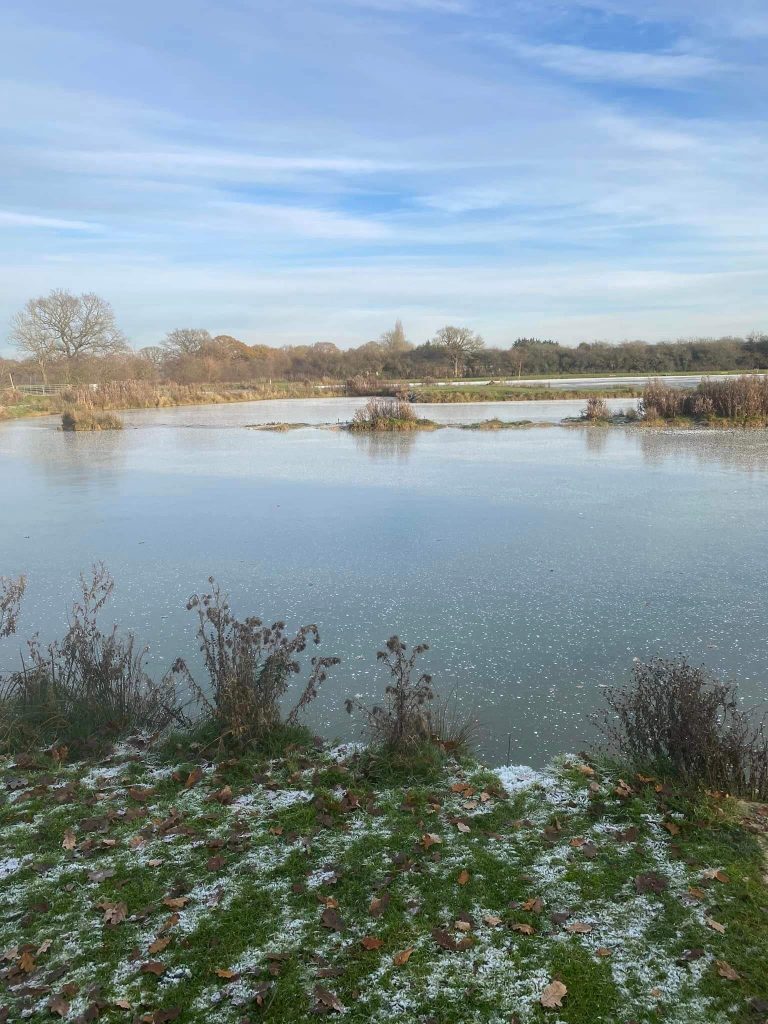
387 414
740 400
87 419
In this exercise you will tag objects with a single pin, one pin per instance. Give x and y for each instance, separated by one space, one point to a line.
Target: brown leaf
672 827
330 919
193 778
158 945
603 951
725 970
402 958
371 942
491 920
153 967
462 827
715 925
534 906
27 962
379 904
226 973
224 796
69 842
651 882
216 863
463 877
717 875
114 913
553 995
524 929
176 902
59 1005
430 839
328 1000
579 928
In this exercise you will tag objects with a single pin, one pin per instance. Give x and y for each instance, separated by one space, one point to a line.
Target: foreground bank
144 889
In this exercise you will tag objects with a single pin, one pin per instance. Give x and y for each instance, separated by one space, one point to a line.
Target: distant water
536 563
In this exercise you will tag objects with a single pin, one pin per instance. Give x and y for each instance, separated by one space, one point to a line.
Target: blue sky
309 170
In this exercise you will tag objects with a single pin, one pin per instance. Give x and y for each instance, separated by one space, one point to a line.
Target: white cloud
9 218
647 69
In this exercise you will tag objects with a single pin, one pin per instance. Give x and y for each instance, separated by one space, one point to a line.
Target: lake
536 563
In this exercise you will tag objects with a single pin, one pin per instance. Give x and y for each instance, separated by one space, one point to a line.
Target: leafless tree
186 341
458 343
64 326
395 340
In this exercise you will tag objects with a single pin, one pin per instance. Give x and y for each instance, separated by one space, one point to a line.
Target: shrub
11 593
85 419
249 666
87 688
385 414
676 718
596 409
404 719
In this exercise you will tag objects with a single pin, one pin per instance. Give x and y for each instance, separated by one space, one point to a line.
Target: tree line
67 338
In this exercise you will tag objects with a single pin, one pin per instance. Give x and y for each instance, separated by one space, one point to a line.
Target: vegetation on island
81 418
380 415
232 867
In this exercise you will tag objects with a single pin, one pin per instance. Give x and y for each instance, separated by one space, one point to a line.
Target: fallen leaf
462 827
69 842
193 778
176 902
226 973
725 970
491 921
114 913
553 995
59 1005
715 925
402 958
533 906
717 875
153 967
603 951
371 942
689 955
579 928
651 882
430 839
27 962
328 1000
379 904
330 919
463 877
671 827
524 929
158 945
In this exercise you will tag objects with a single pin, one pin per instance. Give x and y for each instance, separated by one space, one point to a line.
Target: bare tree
186 341
395 340
64 326
458 344
153 354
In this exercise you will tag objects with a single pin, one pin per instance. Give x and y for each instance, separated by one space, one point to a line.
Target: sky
294 171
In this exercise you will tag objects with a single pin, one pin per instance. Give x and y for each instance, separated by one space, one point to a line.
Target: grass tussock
677 719
738 400
87 419
385 414
596 410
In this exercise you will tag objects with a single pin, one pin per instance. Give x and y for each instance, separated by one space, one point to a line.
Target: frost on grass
246 892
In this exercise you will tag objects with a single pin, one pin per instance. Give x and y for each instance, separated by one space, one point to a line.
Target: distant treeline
44 330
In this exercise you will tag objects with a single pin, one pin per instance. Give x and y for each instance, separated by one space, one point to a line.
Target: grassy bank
147 889
514 393
386 415
140 395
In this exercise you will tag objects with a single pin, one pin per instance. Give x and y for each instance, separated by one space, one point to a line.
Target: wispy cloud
12 219
646 69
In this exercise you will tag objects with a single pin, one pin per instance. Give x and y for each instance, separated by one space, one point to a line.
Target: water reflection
384 447
743 451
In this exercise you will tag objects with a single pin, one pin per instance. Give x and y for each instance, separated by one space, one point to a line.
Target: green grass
291 840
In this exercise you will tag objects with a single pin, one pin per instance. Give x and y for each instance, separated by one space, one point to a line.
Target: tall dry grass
738 399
